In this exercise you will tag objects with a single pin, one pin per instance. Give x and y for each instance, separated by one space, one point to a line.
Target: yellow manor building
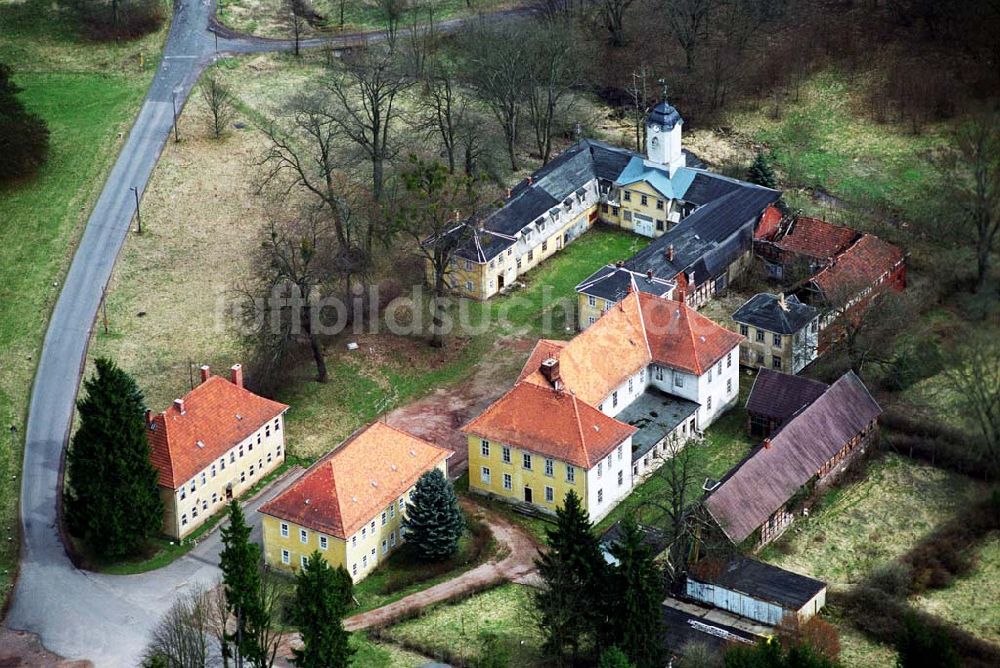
350 504
211 446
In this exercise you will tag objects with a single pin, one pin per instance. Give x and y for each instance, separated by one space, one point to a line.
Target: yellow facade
285 545
228 477
630 201
590 309
547 491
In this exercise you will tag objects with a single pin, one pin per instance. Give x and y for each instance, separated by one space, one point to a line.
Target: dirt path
517 565
438 416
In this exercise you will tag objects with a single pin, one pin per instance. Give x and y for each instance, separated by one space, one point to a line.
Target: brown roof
217 416
860 266
641 329
768 478
779 395
816 238
551 423
348 487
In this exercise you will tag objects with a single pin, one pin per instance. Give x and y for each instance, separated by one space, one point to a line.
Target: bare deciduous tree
181 638
688 21
220 102
364 109
498 73
639 93
677 473
553 66
614 19
298 12
971 177
973 381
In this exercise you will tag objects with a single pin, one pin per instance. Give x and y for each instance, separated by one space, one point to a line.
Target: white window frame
286 557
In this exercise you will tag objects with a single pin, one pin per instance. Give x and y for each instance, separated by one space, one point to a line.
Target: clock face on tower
655 128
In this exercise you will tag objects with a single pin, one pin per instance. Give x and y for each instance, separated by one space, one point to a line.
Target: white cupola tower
663 137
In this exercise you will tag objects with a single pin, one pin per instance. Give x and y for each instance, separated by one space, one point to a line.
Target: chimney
550 370
206 372
619 264
531 180
237 375
508 193
649 275
781 301
179 405
670 253
767 443
149 417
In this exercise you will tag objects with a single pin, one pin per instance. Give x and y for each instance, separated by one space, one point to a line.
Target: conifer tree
240 565
637 592
433 522
322 595
920 646
761 172
112 501
574 573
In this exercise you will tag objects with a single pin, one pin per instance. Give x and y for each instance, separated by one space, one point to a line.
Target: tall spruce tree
637 592
761 172
921 646
240 565
574 573
322 595
433 522
112 501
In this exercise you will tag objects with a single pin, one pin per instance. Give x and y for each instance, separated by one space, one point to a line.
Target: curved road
78 614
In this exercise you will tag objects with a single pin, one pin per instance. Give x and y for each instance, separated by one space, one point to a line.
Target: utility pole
104 307
177 137
138 217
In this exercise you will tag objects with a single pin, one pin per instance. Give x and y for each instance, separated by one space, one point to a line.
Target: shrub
24 137
892 578
103 20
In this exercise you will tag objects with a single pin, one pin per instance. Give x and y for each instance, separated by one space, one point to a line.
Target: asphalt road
79 614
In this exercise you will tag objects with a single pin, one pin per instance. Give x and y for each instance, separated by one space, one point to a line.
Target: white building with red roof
211 446
603 410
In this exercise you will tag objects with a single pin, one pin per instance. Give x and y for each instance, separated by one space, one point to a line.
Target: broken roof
765 311
779 396
865 263
769 477
816 238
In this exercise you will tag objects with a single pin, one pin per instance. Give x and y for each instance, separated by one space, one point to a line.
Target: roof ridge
694 344
642 323
579 428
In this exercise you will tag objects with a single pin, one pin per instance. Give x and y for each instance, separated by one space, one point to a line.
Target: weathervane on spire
663 83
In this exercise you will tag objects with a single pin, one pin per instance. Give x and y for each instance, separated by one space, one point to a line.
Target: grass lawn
458 630
269 18
88 94
866 523
374 654
858 650
726 443
971 602
404 574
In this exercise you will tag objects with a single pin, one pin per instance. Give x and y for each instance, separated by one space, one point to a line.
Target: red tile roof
816 238
860 266
682 338
217 416
640 329
769 221
350 486
552 424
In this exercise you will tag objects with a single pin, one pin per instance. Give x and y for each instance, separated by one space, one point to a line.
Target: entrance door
229 492
527 495
500 281
643 224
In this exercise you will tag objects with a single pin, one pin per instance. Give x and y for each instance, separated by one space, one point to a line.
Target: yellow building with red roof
350 504
597 413
211 446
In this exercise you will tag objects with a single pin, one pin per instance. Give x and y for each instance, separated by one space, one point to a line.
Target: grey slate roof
653 538
765 582
764 311
664 115
779 396
769 477
612 283
710 238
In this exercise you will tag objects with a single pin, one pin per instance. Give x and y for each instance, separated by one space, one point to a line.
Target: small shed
756 590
